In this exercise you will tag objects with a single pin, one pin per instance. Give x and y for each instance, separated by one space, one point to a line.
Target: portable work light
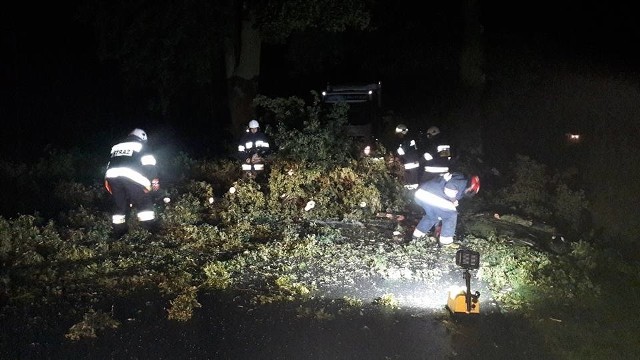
461 300
468 259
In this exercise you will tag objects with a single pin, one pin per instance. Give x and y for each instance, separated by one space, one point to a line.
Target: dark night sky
51 77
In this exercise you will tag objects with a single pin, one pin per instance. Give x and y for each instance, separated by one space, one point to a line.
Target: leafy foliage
92 322
387 301
183 305
222 233
319 141
534 192
278 19
57 181
522 278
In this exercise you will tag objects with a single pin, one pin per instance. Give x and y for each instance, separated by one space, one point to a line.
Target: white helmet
433 131
402 129
253 124
139 133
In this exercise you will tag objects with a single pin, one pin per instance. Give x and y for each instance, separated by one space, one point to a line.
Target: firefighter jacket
131 159
437 205
455 181
438 155
408 153
253 144
252 148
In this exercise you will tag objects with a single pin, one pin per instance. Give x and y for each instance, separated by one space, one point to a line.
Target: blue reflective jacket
458 181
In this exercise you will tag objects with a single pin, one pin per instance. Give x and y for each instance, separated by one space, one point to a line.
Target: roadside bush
528 192
53 183
534 192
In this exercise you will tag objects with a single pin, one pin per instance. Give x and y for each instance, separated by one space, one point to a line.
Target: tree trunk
472 56
241 93
242 64
472 78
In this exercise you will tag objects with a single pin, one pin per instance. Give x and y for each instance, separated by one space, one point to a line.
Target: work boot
447 241
118 231
417 234
152 226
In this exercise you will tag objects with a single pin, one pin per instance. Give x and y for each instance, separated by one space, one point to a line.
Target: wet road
225 329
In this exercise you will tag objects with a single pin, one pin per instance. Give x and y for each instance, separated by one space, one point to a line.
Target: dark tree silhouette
164 47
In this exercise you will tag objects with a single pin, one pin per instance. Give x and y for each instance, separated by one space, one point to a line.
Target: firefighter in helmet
407 152
252 148
438 154
130 177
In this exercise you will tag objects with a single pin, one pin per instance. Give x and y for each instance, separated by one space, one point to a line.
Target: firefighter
407 152
439 198
438 154
130 177
252 149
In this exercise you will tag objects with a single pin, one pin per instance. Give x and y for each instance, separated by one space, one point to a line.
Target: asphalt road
228 327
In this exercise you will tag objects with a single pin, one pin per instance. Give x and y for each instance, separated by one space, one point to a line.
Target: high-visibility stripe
248 145
409 166
241 148
444 151
246 167
436 169
262 144
148 160
131 174
118 219
400 151
434 200
258 166
146 215
411 186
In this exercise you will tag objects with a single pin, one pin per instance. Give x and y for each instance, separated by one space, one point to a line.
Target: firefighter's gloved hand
155 184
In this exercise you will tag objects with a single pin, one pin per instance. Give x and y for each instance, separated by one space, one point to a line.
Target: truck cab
365 107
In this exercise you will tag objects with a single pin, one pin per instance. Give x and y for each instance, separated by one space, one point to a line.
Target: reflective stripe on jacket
130 159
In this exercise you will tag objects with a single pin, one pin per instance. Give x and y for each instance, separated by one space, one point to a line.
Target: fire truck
365 107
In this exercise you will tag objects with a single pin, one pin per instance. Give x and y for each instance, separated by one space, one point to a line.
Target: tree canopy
170 51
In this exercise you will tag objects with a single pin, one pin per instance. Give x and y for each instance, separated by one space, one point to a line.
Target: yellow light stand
457 302
460 299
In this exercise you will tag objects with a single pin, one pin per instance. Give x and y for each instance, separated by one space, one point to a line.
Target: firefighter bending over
131 175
